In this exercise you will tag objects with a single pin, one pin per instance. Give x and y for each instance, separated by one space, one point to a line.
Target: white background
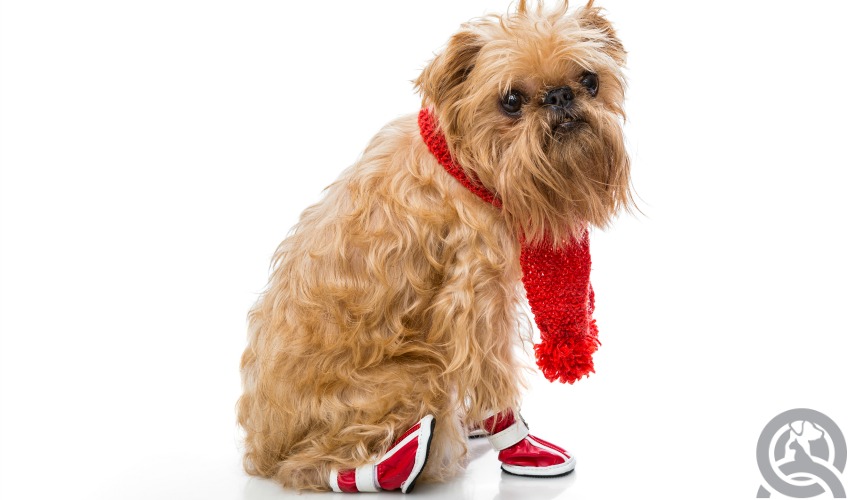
154 153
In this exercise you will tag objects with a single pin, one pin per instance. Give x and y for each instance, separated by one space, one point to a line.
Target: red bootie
397 469
523 454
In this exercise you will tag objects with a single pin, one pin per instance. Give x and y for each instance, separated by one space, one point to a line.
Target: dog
392 313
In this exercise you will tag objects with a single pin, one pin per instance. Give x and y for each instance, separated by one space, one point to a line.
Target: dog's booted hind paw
397 469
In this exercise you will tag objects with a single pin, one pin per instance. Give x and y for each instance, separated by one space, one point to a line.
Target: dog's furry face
532 104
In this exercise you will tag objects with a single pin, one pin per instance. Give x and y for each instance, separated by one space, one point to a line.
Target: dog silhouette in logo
802 441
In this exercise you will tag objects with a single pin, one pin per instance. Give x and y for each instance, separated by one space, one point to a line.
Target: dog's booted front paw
397 469
534 457
521 453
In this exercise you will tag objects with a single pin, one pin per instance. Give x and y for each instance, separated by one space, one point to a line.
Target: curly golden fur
397 294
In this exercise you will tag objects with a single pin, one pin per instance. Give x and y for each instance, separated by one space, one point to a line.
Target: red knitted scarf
557 281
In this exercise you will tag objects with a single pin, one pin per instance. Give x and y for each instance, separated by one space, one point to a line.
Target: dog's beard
559 173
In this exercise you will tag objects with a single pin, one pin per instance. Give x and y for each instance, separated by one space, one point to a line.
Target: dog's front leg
474 320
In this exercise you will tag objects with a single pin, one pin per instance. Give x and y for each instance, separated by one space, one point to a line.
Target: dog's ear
591 17
442 79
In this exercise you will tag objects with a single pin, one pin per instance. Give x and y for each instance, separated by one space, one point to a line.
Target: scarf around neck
556 280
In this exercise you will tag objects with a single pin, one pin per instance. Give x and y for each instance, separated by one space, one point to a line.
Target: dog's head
532 103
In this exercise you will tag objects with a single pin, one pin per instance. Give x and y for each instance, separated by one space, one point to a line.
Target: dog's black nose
561 97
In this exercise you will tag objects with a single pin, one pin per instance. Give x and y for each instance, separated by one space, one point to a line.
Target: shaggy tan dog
397 294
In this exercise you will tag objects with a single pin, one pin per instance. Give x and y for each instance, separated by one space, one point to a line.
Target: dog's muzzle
561 119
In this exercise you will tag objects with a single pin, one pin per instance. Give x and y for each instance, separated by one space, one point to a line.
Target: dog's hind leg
351 426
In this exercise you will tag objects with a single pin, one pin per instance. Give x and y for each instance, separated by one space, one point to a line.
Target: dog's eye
512 102
590 81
